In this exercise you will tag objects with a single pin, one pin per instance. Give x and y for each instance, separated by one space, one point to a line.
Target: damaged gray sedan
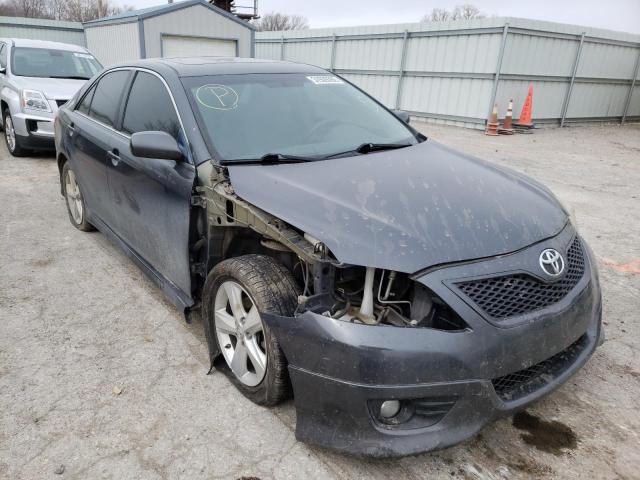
404 293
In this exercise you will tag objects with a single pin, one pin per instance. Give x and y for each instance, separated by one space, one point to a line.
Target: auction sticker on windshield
325 80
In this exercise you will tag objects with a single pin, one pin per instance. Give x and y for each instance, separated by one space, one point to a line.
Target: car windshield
46 62
306 115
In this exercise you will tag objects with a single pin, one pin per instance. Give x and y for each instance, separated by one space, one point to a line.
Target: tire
268 286
12 140
74 200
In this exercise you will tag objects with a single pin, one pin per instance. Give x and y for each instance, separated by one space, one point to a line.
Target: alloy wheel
10 133
74 197
240 333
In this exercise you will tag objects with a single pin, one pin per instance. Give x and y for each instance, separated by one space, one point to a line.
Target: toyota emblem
551 262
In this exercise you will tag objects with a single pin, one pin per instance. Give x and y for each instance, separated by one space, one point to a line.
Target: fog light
390 408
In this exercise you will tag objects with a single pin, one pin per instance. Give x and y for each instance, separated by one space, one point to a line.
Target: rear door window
149 107
107 97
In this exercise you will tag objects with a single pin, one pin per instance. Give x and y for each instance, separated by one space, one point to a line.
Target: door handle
71 129
114 155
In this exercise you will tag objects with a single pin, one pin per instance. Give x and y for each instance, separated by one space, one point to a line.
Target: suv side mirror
402 115
155 145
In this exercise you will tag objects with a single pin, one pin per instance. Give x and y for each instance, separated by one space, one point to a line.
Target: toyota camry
405 294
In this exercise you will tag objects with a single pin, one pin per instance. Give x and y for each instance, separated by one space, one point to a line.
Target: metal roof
143 13
40 23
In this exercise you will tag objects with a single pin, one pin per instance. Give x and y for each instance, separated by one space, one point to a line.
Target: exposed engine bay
380 297
355 294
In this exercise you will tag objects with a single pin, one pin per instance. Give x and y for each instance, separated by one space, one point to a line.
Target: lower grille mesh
510 295
523 382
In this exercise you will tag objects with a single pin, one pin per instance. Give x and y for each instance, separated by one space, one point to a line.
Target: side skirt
181 300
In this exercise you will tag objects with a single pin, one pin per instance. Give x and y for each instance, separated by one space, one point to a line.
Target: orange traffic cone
507 126
492 124
525 115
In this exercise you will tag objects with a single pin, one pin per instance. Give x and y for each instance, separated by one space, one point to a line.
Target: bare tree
467 12
280 21
437 15
70 10
29 8
460 12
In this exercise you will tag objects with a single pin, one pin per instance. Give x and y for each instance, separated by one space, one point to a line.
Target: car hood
405 209
53 88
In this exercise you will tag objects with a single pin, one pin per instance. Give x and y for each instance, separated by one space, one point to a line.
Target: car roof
201 66
26 42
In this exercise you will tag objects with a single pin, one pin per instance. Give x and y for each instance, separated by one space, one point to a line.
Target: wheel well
3 106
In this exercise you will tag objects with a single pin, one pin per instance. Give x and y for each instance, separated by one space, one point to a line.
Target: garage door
174 46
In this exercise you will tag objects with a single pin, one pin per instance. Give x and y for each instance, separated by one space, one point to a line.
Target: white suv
36 77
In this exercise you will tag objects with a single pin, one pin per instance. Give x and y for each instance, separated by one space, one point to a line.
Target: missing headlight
381 297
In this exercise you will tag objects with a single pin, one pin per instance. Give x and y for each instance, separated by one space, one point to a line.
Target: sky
623 15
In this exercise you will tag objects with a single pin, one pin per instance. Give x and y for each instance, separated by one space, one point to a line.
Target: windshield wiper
271 158
371 147
70 77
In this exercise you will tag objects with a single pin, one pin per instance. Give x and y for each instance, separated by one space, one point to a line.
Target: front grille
523 382
511 295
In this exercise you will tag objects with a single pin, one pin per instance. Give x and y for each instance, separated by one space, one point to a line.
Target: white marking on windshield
217 97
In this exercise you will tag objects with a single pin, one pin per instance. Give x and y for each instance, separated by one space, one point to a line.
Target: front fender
11 97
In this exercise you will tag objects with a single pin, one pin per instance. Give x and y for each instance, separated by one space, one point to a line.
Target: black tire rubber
273 290
83 226
19 150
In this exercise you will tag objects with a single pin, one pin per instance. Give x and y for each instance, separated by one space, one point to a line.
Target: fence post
496 78
567 97
333 53
633 84
403 60
282 47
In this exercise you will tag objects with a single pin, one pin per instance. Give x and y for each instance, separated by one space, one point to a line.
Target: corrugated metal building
34 28
454 71
193 27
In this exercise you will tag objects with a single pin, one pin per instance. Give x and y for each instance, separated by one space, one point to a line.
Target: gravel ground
100 377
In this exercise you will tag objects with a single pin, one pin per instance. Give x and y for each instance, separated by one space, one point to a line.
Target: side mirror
402 115
155 145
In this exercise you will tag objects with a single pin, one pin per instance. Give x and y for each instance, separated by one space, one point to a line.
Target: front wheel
12 140
237 291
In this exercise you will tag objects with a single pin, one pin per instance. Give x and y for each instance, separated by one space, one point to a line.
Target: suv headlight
35 100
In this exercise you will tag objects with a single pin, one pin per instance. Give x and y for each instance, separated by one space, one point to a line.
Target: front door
153 196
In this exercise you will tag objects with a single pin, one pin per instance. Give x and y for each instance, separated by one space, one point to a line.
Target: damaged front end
386 363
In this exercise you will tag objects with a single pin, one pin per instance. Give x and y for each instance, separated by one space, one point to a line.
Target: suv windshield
45 62
317 116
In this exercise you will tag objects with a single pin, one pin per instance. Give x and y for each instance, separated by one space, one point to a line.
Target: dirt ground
101 378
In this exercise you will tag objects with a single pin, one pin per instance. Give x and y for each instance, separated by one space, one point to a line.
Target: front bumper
35 129
339 369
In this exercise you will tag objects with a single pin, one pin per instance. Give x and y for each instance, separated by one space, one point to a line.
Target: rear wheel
12 140
74 200
237 292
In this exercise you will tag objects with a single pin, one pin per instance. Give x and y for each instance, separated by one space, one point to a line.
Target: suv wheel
10 137
237 291
74 200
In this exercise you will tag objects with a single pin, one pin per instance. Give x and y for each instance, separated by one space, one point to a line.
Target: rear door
153 196
90 135
184 46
